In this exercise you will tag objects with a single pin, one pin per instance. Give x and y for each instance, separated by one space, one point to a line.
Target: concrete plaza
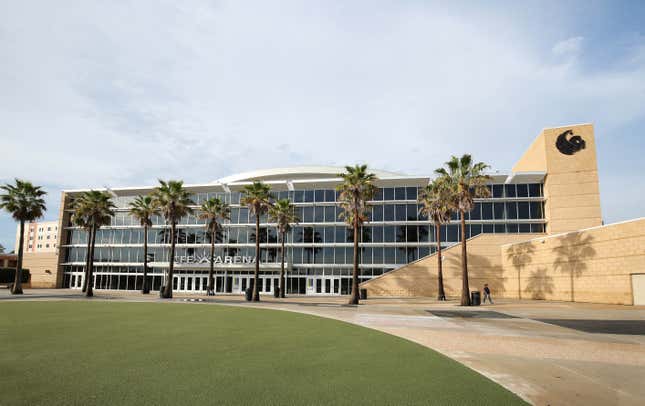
549 353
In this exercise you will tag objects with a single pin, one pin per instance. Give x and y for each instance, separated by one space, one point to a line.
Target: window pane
388 212
388 193
377 234
389 233
377 213
487 211
498 209
510 190
536 210
535 190
330 214
399 193
498 191
476 213
523 210
511 211
400 212
400 233
522 190
411 193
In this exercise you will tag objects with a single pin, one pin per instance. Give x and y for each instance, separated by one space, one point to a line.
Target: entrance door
638 289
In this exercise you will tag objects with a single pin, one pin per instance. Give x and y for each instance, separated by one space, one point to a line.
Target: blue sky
122 93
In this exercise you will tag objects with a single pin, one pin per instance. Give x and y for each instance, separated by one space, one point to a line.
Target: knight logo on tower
569 146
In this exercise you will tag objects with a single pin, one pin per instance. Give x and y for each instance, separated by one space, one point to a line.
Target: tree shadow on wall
520 255
539 284
480 271
571 257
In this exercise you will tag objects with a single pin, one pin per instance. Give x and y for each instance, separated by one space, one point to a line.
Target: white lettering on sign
218 259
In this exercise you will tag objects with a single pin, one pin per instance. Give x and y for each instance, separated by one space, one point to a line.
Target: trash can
363 294
249 294
475 298
276 292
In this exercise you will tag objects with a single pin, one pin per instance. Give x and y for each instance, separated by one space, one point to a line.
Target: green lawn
111 353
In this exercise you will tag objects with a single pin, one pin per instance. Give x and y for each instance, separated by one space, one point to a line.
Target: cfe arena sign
217 260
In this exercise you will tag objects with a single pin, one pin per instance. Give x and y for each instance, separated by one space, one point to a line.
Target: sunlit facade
318 250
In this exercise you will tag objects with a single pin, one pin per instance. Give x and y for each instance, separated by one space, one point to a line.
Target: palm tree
283 214
257 197
92 210
1 249
174 203
437 206
467 181
212 211
355 190
142 209
25 203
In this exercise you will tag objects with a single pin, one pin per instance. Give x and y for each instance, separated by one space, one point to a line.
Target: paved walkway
529 347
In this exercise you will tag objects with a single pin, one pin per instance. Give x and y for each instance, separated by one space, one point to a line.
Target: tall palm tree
25 203
284 215
92 210
467 181
174 203
356 189
437 206
213 210
257 198
142 209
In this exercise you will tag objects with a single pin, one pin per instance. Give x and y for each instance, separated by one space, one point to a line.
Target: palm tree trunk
89 292
441 294
145 289
16 289
167 292
256 293
210 287
87 259
354 297
282 266
465 290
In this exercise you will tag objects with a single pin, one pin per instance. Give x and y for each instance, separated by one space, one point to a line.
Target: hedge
7 275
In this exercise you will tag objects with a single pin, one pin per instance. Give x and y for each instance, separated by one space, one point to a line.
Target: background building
39 237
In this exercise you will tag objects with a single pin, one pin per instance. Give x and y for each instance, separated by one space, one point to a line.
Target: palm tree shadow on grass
539 284
571 257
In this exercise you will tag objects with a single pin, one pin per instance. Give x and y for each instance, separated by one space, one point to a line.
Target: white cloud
570 46
104 93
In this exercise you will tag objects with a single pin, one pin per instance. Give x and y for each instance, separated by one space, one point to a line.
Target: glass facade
319 249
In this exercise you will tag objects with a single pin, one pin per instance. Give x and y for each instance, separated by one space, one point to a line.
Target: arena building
553 189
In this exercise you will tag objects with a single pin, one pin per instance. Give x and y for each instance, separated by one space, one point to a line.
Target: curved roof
295 173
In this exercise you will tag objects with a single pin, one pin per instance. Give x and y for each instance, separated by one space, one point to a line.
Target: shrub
7 275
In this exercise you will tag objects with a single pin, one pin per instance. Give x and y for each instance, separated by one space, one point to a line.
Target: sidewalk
546 363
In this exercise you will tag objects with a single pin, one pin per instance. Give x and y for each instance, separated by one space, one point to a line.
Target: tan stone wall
43 268
420 278
597 263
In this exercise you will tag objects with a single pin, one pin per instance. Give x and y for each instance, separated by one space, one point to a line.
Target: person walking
487 294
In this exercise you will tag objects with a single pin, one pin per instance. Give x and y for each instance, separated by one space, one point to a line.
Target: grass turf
110 353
